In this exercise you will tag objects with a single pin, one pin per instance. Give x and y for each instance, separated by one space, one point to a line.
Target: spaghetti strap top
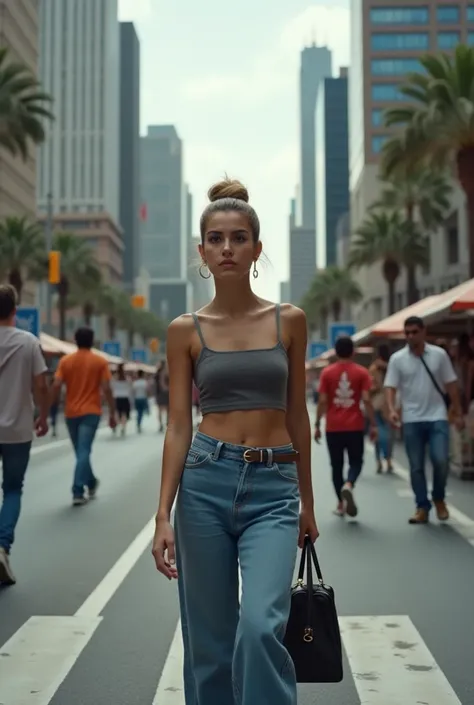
240 380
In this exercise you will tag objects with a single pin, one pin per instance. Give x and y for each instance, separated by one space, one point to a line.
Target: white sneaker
6 573
348 499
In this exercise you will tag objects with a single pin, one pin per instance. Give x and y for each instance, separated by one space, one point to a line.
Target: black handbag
312 635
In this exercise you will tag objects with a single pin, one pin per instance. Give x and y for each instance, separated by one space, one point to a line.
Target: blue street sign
337 330
112 347
139 355
28 318
317 348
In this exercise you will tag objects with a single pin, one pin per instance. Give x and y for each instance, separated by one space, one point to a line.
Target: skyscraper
80 68
165 229
387 41
130 151
332 163
316 64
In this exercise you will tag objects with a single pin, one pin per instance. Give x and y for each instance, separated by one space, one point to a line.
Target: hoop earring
203 275
255 270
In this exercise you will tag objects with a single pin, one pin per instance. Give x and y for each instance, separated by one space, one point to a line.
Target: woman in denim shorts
243 490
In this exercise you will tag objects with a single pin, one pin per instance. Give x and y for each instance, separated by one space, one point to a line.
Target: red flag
143 212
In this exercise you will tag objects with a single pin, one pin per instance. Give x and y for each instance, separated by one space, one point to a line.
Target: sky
227 77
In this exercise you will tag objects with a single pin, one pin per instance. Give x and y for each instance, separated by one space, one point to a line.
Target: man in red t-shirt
343 386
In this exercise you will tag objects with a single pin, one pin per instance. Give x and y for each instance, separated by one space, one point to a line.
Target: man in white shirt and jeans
423 375
22 375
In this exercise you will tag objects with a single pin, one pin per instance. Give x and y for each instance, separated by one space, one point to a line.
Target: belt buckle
246 457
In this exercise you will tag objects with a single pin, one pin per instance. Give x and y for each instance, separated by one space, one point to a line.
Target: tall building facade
19 33
80 67
164 230
387 41
332 163
316 65
130 151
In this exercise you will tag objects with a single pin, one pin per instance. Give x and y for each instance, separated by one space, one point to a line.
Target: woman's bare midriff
261 428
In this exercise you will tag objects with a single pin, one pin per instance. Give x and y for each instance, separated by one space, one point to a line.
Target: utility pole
49 245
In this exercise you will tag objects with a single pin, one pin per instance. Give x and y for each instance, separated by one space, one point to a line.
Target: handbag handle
308 558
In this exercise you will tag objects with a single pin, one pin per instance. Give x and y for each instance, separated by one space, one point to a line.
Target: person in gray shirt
426 382
22 375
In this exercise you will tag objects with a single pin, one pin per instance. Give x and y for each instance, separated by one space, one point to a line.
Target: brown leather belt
263 456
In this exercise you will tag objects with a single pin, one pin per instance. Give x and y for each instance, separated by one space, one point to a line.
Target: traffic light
138 301
54 271
154 345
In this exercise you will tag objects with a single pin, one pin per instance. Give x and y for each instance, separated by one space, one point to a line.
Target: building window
470 13
377 118
383 41
470 39
451 240
448 40
387 92
448 14
394 67
399 15
378 142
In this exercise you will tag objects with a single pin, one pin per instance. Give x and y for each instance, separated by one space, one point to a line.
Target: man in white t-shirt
22 375
426 382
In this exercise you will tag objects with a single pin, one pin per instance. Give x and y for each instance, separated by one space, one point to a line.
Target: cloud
275 69
134 10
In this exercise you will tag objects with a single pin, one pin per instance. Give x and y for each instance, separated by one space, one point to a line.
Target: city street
90 621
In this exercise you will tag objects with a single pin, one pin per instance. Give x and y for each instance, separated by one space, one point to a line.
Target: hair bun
228 188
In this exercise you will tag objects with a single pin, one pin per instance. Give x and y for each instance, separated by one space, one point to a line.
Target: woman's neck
233 300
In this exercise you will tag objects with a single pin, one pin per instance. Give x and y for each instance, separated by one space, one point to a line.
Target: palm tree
79 272
22 107
341 288
439 121
421 195
386 237
22 249
110 301
316 304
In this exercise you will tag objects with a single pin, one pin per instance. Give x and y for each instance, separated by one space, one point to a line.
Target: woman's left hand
308 526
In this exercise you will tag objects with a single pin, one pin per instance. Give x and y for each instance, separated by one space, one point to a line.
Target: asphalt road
91 622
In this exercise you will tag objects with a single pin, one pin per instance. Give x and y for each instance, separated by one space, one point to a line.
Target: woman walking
140 396
384 442
122 391
243 476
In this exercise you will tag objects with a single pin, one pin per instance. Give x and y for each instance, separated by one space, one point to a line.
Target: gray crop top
238 380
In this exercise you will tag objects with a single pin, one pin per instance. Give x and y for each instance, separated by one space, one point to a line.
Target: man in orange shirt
86 375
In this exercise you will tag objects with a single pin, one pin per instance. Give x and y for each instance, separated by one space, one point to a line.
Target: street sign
338 330
112 347
28 318
138 301
317 348
139 355
154 345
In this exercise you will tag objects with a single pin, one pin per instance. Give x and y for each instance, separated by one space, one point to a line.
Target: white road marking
171 687
37 659
391 663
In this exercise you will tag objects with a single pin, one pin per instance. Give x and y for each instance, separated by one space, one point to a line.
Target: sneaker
348 499
93 493
339 511
6 573
442 511
419 517
79 501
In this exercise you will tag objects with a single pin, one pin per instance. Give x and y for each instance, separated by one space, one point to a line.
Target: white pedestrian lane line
391 664
37 659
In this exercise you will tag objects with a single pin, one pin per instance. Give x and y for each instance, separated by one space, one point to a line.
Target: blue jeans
15 462
383 447
82 430
231 513
435 436
141 406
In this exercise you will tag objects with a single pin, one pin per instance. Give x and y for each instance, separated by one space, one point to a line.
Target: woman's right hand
164 549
